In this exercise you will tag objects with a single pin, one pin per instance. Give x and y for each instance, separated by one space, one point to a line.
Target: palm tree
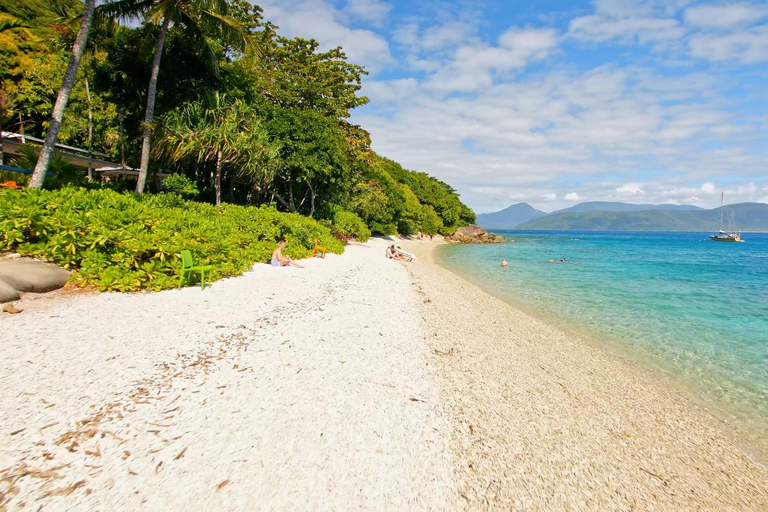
219 130
41 168
192 16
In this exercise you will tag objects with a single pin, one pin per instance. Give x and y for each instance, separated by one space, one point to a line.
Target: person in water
503 263
281 260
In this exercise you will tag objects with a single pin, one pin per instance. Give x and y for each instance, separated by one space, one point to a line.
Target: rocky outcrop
19 275
474 235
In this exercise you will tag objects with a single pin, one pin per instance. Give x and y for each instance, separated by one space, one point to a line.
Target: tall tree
196 17
216 130
63 97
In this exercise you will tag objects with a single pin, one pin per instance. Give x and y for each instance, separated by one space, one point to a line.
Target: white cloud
708 188
630 190
374 11
320 20
573 196
745 46
446 35
725 16
628 30
384 92
473 67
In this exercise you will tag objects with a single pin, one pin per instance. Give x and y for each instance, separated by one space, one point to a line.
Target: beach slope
543 420
282 389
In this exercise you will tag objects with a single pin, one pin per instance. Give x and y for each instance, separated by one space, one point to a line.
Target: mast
721 211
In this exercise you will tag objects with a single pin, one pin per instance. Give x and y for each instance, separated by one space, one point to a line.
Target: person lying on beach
280 260
393 254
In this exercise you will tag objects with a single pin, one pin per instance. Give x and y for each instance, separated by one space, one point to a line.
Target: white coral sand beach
356 383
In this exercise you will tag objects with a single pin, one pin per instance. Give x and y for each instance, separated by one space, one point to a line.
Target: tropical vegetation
128 242
237 114
250 116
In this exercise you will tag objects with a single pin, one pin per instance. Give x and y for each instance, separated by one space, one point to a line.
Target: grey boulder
7 292
32 276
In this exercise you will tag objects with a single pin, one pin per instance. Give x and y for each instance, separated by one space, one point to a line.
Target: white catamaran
725 236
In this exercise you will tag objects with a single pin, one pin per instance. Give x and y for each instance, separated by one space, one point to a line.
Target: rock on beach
19 275
474 234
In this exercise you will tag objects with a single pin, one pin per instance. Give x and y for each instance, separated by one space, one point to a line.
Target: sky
558 102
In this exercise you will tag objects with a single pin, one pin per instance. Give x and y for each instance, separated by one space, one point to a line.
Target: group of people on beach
281 260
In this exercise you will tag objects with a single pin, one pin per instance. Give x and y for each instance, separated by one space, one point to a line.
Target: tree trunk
90 130
63 98
291 206
217 183
311 200
122 143
282 201
151 92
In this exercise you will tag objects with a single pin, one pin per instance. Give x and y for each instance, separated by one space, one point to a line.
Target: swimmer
503 263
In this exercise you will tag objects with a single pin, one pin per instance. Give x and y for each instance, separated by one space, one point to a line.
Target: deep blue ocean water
693 308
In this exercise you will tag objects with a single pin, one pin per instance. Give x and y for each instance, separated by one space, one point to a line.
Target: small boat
725 236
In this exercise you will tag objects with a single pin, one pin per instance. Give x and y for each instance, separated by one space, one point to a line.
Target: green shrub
130 242
180 184
349 225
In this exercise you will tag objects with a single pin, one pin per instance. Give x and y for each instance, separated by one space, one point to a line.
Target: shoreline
744 430
540 415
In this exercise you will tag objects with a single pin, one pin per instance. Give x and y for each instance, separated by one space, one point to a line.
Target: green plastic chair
188 268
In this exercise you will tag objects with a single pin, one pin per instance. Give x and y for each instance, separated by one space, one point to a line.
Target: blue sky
552 102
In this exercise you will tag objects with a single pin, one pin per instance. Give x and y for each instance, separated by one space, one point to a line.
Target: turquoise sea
693 308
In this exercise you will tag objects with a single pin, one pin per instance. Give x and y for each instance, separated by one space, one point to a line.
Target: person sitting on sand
280 260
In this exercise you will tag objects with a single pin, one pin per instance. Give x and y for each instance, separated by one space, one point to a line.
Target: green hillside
748 217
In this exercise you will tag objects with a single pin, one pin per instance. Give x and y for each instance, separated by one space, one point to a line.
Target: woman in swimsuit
279 260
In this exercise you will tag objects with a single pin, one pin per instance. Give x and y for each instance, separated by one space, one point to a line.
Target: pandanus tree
41 168
198 19
217 131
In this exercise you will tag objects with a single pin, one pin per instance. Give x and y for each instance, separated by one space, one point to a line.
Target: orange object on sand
10 184
318 248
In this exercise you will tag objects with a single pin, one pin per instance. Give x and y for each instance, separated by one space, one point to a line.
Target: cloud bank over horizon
642 101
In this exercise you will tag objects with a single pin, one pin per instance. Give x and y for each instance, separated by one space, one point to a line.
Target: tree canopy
281 134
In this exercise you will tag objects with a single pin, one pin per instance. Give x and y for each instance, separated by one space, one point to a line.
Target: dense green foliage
130 242
348 225
265 126
746 217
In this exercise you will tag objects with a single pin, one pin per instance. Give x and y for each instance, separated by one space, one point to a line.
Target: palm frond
6 25
132 10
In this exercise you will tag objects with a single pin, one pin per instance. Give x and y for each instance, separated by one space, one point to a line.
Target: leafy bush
180 184
349 225
129 242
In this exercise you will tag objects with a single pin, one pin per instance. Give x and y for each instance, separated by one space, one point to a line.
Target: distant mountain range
628 217
603 206
509 217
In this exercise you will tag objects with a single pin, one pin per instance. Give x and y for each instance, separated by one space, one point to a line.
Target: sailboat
725 236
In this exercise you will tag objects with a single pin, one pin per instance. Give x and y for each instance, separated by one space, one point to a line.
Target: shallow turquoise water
693 308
